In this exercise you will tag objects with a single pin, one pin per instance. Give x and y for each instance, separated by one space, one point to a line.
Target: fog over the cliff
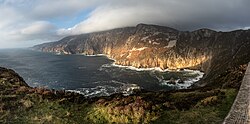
25 23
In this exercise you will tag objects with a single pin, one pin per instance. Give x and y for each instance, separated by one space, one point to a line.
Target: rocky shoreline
23 104
223 56
152 46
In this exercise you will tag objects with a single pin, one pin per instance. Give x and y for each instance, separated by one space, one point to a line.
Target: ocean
90 75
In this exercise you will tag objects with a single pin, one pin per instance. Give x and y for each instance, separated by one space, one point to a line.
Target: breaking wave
107 88
134 68
185 83
196 75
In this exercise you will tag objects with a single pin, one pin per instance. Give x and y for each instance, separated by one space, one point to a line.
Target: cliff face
147 46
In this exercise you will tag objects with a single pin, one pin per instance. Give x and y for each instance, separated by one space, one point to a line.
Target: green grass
22 104
18 105
202 114
45 111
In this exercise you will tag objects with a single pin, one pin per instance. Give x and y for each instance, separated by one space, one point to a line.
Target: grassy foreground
20 103
25 105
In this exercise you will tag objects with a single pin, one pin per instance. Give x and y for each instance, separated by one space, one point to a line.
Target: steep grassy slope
20 103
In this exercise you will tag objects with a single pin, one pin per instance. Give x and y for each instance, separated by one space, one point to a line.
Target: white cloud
107 17
60 8
183 15
26 22
29 34
40 27
8 16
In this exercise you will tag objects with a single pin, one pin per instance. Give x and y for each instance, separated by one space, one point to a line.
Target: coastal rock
147 46
10 78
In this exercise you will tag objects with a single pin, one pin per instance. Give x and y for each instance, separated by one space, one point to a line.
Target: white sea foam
105 88
128 88
186 83
153 69
82 67
134 68
95 55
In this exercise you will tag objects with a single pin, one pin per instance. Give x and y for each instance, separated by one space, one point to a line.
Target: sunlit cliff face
158 57
149 57
148 46
144 46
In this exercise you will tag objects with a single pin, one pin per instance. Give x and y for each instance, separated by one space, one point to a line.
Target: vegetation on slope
22 104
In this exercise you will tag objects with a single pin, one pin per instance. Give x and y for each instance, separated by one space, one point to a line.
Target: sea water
91 75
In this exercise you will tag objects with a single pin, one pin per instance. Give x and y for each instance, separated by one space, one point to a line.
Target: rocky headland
147 46
223 56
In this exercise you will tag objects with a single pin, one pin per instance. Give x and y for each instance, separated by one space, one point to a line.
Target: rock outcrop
239 113
9 77
146 46
22 104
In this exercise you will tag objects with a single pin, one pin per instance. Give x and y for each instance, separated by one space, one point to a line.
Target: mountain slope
20 103
10 78
146 46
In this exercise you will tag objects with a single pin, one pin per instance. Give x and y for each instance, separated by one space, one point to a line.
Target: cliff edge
146 46
20 103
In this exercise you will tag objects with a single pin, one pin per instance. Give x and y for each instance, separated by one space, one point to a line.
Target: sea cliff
149 46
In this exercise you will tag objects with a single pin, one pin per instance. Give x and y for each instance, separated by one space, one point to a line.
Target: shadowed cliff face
146 46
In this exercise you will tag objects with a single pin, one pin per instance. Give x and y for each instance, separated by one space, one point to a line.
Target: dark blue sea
89 75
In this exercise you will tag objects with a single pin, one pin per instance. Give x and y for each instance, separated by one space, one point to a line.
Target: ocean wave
186 83
150 69
140 69
134 68
107 88
95 55
82 67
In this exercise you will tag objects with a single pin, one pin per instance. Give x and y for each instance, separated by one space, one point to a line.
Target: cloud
30 34
183 15
59 8
26 22
8 17
40 27
107 17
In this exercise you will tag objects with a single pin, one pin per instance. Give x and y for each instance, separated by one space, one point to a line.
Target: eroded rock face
146 46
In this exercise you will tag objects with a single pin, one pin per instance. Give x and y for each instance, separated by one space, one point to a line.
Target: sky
24 23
